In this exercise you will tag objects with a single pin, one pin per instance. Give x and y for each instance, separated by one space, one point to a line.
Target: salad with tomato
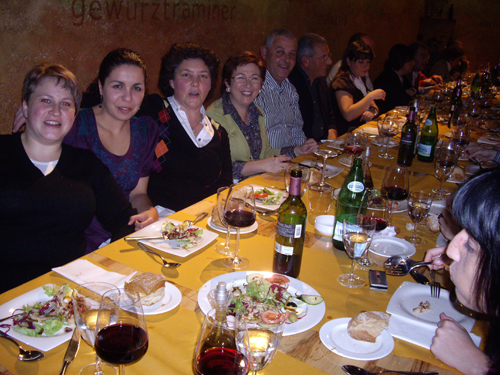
268 197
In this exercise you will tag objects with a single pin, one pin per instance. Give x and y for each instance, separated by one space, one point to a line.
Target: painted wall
79 33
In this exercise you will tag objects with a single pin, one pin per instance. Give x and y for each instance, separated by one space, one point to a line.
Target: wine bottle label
289 230
428 121
285 250
356 186
424 150
407 138
337 233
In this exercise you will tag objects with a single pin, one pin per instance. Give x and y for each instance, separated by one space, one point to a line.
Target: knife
73 346
12 316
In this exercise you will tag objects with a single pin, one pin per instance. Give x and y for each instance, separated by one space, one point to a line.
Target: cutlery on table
73 346
354 370
24 355
12 316
435 286
166 263
399 265
198 218
419 278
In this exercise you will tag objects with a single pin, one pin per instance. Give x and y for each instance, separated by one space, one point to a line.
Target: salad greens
186 236
273 197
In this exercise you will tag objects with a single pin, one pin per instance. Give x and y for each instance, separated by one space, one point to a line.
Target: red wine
394 193
239 218
381 223
121 343
354 150
221 361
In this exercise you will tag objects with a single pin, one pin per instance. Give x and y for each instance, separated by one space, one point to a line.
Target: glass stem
351 273
391 210
386 145
228 239
121 370
323 171
441 187
237 260
98 366
415 230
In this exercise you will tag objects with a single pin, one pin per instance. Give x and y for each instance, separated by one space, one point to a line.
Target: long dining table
173 335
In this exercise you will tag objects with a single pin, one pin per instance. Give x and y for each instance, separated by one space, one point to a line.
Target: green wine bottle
475 86
290 230
428 138
409 135
349 200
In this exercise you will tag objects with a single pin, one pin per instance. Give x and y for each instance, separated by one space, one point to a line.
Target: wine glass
325 154
460 139
395 188
368 218
354 145
438 98
121 331
419 204
459 118
86 301
257 342
239 212
446 160
224 248
321 193
367 222
216 351
357 238
387 128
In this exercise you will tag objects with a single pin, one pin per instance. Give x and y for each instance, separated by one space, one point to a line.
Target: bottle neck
295 185
411 116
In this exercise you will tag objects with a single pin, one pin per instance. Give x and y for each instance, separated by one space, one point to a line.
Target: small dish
387 246
324 224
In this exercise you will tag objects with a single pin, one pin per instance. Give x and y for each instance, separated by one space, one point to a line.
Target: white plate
402 206
270 207
335 337
244 230
387 246
344 160
390 144
331 170
337 144
42 343
314 313
441 240
172 299
409 295
155 230
437 207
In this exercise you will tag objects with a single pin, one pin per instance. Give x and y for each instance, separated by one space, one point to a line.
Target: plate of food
268 198
286 289
51 305
413 301
219 228
156 229
335 336
388 246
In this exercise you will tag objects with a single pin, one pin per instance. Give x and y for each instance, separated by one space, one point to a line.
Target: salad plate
335 337
155 230
238 279
331 170
42 343
270 207
171 300
244 230
388 246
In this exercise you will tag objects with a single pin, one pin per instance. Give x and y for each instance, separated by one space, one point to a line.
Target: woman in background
251 153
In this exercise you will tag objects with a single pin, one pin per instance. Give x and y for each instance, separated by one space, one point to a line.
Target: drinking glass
419 204
395 188
216 351
325 154
438 98
86 301
259 344
239 212
446 160
460 139
459 118
321 193
224 248
368 222
357 239
354 145
306 174
387 128
121 331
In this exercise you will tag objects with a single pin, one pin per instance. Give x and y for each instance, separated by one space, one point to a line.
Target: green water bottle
428 138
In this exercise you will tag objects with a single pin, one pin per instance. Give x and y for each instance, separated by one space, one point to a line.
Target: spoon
24 355
419 278
399 265
354 370
198 218
166 263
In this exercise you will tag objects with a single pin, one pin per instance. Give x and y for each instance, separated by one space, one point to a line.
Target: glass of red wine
224 248
387 128
395 188
239 212
354 145
121 331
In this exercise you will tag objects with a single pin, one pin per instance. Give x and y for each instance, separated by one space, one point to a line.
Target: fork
435 286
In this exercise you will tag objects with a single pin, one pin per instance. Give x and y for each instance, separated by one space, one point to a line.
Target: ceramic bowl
324 224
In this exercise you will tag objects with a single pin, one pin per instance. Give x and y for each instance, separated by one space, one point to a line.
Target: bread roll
368 325
150 286
458 173
432 222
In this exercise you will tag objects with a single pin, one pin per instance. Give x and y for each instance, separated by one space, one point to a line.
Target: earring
228 89
260 91
100 101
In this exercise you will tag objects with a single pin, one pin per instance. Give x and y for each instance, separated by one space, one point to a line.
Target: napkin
388 231
82 271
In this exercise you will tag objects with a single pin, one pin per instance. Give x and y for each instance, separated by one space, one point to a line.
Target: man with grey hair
278 98
308 77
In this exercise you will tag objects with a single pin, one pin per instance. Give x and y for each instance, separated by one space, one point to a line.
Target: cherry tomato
271 317
279 279
261 195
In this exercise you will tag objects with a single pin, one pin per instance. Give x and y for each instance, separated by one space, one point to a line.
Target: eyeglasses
242 79
324 58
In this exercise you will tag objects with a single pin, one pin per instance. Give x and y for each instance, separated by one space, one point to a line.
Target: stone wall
79 33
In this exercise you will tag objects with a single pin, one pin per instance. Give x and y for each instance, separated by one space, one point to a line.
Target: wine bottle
349 200
220 336
290 230
409 135
475 86
367 174
456 100
428 138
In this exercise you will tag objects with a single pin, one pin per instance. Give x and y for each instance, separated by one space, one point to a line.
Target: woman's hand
452 345
438 258
144 219
480 154
367 116
377 94
276 164
308 147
